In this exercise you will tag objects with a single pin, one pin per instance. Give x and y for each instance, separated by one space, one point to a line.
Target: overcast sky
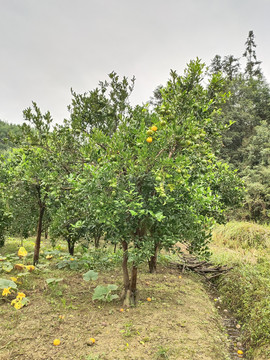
49 46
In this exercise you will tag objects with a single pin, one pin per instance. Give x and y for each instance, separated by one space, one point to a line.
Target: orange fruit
149 139
91 341
56 342
154 128
149 299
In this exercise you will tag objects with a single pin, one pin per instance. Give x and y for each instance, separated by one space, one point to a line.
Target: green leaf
133 213
25 301
159 216
7 267
90 275
112 287
114 296
53 280
100 292
4 284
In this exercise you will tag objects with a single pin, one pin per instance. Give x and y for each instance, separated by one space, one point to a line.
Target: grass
246 289
180 322
243 235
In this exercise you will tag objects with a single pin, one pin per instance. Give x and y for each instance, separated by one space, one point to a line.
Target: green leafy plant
129 330
90 275
162 353
104 293
4 284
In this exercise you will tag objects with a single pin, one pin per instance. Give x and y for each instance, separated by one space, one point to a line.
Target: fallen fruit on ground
56 342
91 341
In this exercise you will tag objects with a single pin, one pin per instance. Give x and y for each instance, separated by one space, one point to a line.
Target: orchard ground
180 321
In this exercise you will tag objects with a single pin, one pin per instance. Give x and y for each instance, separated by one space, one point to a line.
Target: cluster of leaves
101 292
7 133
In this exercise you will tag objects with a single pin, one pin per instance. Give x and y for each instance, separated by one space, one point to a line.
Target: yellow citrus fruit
121 310
56 342
240 352
154 128
149 299
149 139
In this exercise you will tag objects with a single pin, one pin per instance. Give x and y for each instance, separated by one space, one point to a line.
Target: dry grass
245 235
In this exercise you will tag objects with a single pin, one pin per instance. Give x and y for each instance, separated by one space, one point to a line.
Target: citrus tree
156 180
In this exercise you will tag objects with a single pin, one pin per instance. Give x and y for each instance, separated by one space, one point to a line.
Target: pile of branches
207 269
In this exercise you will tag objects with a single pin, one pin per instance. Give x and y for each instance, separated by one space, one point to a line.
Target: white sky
49 46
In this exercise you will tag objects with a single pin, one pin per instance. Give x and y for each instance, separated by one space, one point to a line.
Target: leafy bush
242 234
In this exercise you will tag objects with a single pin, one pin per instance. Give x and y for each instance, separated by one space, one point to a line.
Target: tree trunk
152 262
71 246
133 285
97 238
130 285
125 266
39 231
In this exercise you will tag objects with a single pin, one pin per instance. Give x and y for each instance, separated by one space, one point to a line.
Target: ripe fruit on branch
149 139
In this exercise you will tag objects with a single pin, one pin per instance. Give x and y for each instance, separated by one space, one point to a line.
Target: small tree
252 64
156 180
